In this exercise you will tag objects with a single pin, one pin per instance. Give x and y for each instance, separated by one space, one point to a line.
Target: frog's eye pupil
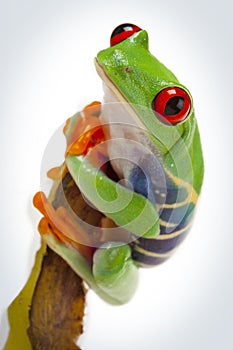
172 105
122 32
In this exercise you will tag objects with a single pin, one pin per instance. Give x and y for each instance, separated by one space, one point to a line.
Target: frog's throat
107 80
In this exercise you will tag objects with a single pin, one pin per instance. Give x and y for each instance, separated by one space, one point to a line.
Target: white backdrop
46 75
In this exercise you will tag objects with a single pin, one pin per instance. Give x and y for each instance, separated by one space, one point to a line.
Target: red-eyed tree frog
146 133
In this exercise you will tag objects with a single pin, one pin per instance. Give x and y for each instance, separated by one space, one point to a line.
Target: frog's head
158 102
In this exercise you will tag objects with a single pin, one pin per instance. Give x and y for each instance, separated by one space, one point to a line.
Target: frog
137 159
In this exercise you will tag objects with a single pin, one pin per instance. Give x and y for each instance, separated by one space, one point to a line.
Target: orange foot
63 226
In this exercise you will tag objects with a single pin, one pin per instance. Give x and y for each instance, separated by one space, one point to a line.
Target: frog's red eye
172 105
122 32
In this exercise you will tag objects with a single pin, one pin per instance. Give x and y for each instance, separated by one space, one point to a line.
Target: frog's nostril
122 32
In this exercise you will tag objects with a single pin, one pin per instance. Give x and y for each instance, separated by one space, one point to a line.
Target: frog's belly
128 143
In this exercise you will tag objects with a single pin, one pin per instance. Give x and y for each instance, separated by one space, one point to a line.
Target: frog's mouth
117 95
112 94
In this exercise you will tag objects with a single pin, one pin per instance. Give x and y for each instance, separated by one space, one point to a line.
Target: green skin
125 68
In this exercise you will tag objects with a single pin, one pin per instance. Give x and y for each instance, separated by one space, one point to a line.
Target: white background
46 75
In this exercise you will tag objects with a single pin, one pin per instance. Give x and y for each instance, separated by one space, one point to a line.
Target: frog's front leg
126 208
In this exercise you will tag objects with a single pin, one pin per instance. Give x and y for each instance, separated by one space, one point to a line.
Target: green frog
137 159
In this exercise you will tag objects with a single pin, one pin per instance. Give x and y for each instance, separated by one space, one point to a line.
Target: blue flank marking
180 216
141 183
